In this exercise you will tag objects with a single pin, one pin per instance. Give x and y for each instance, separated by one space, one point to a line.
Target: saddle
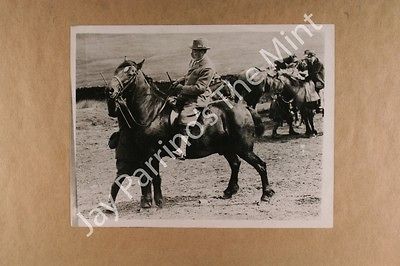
173 116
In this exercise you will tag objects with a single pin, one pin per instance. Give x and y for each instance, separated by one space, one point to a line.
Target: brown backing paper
35 139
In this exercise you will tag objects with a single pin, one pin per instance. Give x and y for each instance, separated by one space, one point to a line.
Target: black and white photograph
203 126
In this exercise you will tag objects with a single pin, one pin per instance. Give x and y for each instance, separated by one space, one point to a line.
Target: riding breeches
189 114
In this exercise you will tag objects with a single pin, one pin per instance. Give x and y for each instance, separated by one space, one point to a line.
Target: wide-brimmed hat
199 44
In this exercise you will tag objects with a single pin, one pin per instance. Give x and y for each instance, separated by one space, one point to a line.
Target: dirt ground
192 188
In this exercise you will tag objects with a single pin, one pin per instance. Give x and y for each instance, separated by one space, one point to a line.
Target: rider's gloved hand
178 87
175 83
108 92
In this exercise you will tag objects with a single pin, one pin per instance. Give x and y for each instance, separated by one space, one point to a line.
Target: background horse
266 81
288 90
296 92
242 86
222 126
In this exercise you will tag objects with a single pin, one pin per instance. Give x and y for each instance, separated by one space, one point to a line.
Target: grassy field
231 52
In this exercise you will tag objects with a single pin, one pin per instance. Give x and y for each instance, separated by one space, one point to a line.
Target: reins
129 83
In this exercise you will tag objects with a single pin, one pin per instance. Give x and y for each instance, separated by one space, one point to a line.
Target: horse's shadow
283 138
177 201
180 200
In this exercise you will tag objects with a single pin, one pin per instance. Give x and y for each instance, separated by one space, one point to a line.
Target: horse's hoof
267 194
229 192
106 210
310 135
145 203
159 202
294 133
275 136
226 196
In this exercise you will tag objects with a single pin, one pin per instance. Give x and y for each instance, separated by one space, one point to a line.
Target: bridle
128 83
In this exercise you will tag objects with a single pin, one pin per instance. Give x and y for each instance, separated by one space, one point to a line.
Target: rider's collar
196 62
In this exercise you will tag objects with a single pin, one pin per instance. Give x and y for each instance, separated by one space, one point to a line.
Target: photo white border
325 220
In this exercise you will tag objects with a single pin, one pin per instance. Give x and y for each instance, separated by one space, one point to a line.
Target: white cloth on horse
293 72
311 94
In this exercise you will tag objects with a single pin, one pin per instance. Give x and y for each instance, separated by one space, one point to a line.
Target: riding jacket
198 79
316 73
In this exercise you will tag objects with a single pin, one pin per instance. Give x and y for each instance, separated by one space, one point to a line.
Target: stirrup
179 155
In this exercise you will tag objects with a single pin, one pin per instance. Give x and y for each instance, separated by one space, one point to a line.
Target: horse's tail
258 124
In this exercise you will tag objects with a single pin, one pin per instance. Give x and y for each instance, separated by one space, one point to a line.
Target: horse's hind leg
233 187
306 120
275 134
261 168
311 121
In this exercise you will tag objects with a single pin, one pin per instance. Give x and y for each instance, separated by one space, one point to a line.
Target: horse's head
124 76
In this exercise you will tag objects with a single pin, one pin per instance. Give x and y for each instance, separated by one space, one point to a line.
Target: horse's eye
126 69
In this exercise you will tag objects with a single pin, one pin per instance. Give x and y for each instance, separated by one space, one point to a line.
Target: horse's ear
139 65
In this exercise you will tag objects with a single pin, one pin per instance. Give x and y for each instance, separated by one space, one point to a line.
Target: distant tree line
98 92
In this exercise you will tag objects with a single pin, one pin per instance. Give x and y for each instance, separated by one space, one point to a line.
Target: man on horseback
195 90
145 124
316 74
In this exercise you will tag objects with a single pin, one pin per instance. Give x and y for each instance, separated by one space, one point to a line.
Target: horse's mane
149 79
274 84
125 64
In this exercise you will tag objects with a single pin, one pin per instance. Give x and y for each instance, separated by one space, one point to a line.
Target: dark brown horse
155 136
289 91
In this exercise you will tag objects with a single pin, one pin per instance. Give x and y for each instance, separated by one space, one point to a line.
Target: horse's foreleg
233 186
146 200
261 168
115 188
275 134
289 120
145 181
158 198
124 169
291 129
297 121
